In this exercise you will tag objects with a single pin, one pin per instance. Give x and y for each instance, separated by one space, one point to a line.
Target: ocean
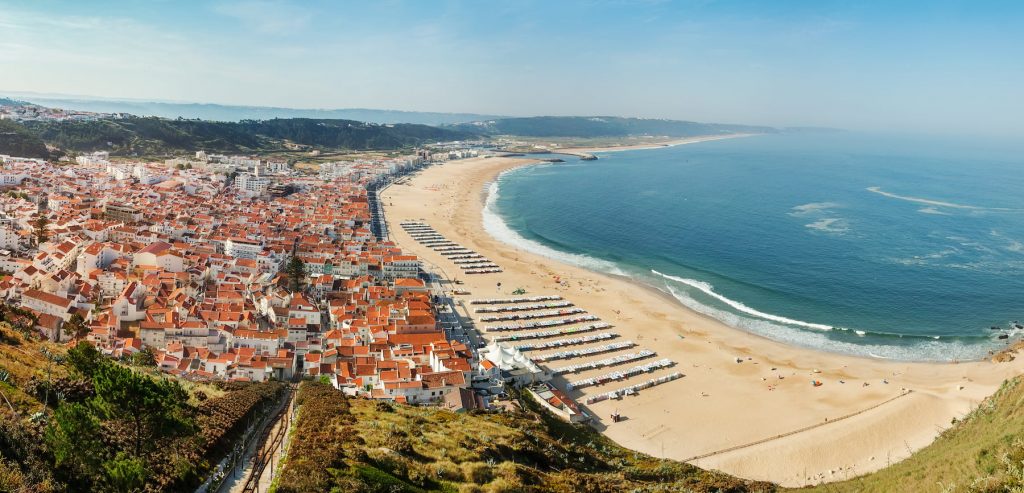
895 247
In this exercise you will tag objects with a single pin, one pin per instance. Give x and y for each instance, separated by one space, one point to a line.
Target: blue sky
896 65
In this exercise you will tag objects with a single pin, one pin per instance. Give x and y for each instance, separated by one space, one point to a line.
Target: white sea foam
932 210
499 229
709 290
811 208
1012 245
926 350
938 203
836 225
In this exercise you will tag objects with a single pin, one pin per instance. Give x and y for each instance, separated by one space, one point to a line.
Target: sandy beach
650 145
759 418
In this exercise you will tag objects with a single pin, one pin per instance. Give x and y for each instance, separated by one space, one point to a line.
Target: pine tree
148 408
39 227
295 270
76 326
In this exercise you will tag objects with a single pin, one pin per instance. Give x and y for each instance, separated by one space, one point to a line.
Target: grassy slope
971 456
22 359
358 445
220 413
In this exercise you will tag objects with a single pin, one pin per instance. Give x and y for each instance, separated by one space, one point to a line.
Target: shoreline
582 260
734 403
986 352
582 151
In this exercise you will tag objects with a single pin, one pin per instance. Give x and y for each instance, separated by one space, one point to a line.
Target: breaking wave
708 290
878 345
499 229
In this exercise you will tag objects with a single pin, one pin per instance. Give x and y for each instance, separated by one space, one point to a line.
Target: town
233 268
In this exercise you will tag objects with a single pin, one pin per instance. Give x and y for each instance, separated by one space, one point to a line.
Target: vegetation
368 446
76 326
601 126
40 229
16 140
152 136
295 271
109 427
982 453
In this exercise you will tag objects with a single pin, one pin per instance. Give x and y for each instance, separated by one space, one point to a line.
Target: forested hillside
156 136
15 140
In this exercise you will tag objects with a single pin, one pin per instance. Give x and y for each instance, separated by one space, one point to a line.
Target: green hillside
15 140
75 421
151 136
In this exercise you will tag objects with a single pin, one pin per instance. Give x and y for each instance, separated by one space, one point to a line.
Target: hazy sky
923 66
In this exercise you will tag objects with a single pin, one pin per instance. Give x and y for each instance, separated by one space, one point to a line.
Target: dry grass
403 448
23 359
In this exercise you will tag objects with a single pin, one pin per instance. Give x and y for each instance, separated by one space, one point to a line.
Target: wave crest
708 290
926 348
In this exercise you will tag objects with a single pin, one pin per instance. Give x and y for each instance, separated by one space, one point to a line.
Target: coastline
675 419
584 150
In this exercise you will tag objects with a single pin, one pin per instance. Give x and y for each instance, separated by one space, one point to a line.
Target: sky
935 66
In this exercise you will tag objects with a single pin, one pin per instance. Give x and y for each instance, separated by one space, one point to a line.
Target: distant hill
230 113
11 102
16 140
601 126
158 136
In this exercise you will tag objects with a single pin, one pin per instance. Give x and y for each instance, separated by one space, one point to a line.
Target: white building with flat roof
242 248
251 183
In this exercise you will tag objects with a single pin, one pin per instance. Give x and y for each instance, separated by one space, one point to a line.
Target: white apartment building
242 248
252 183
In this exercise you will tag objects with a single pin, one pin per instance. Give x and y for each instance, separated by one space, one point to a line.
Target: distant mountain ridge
233 113
152 136
602 126
124 133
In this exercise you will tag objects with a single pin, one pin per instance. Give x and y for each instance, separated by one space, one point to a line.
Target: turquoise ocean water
904 248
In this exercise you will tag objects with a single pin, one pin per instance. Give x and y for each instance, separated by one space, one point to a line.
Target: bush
320 443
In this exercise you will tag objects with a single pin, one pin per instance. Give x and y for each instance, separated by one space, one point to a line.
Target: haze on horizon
952 66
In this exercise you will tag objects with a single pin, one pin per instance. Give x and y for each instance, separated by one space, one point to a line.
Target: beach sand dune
719 404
